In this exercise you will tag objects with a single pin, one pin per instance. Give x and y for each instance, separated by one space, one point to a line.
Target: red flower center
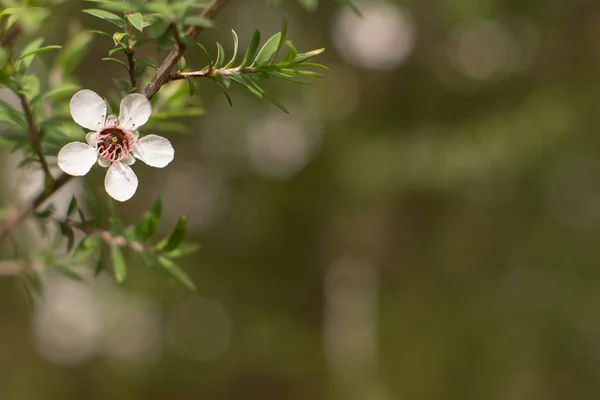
113 144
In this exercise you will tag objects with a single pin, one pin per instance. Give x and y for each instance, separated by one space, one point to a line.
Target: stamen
113 144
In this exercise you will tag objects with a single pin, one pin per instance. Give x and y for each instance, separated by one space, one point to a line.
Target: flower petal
91 137
154 150
129 159
134 111
120 181
104 162
77 158
88 109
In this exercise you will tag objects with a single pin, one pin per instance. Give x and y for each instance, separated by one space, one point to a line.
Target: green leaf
115 61
101 33
116 6
282 37
72 207
219 81
25 60
30 86
252 86
148 223
220 56
191 86
175 238
276 102
235 49
101 263
123 85
198 21
147 61
67 273
37 51
118 263
250 53
183 250
73 52
107 16
317 66
291 54
268 50
137 20
210 61
116 50
176 273
140 69
67 232
58 92
181 64
300 58
118 37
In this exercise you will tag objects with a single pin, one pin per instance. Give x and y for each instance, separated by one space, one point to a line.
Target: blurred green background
424 225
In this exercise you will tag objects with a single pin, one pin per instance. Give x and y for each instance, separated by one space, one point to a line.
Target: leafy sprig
256 65
41 125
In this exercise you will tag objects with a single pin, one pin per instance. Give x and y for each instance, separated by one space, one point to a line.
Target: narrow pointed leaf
37 51
235 49
281 38
268 50
220 56
137 20
175 238
177 273
118 263
107 16
251 50
115 61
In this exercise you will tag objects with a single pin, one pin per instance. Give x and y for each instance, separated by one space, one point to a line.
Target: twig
176 36
106 236
212 73
10 36
14 220
34 133
12 267
131 61
162 75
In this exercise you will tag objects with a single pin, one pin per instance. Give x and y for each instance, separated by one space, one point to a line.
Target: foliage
41 126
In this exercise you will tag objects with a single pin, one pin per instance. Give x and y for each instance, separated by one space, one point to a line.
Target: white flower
113 142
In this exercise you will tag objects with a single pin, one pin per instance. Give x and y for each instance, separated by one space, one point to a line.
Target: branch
107 237
13 268
10 36
12 221
34 133
212 73
131 63
162 75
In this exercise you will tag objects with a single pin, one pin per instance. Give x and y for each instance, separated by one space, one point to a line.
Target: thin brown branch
20 214
34 133
107 236
9 37
13 267
131 64
176 36
162 75
212 73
